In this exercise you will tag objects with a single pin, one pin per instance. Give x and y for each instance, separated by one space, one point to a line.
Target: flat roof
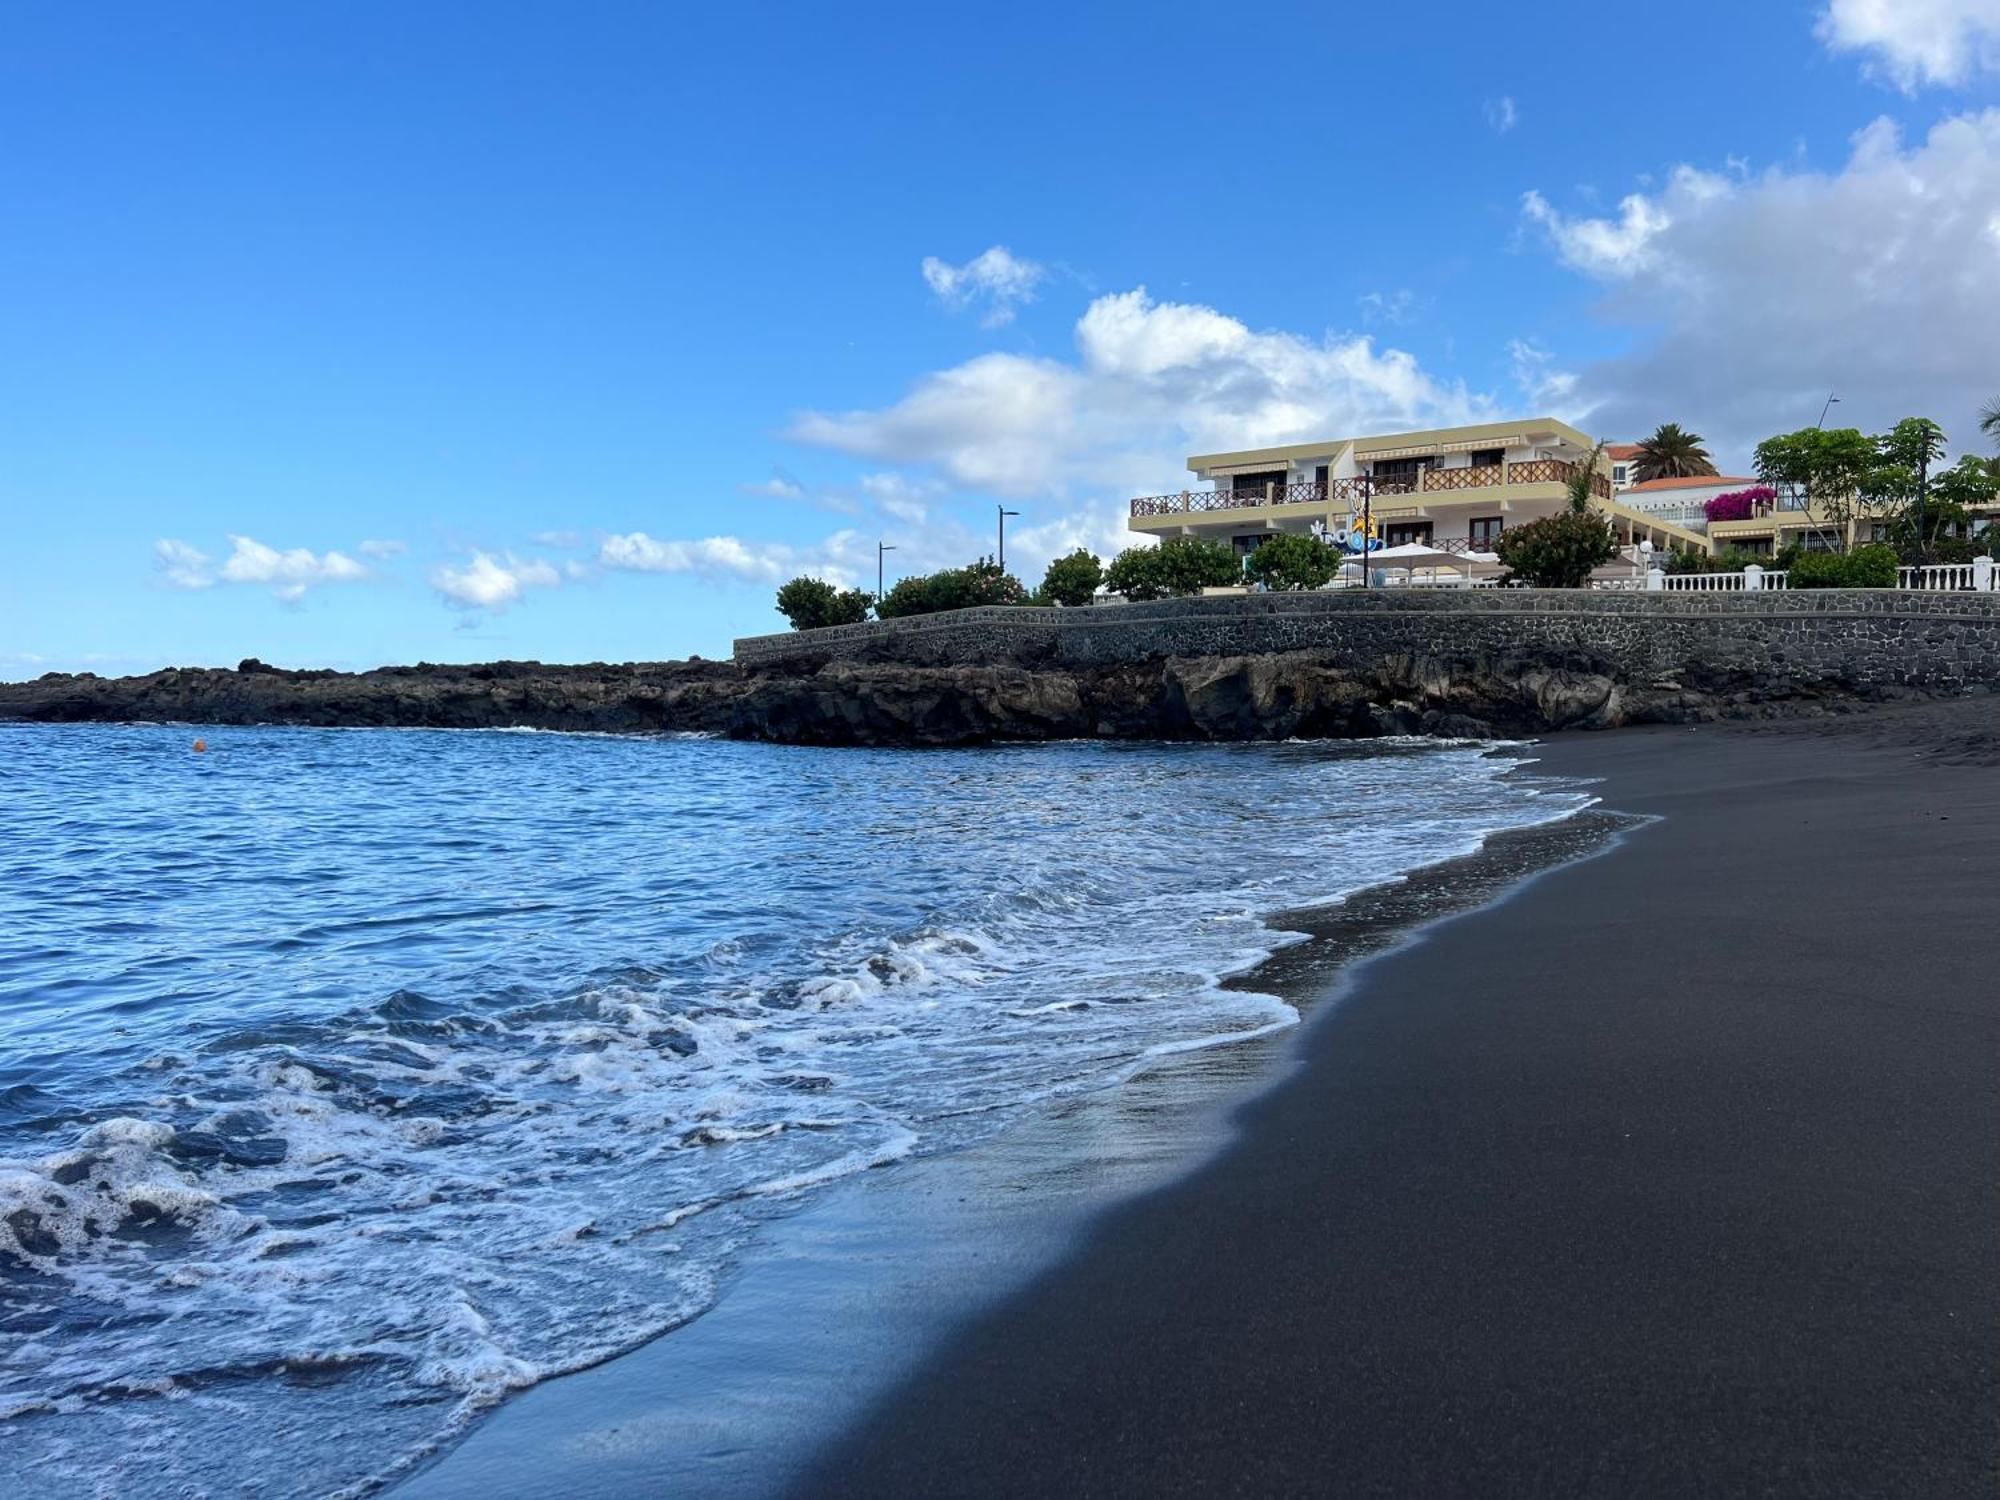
1498 433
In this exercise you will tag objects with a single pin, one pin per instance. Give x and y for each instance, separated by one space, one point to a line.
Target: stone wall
1936 642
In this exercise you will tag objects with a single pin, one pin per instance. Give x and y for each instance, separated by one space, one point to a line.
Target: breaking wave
353 1092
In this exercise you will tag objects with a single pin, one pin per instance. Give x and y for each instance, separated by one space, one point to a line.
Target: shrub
953 588
1292 561
1072 580
1179 565
810 603
1870 567
1557 552
1740 505
1817 570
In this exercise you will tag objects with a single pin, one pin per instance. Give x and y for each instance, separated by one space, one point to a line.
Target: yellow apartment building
1454 489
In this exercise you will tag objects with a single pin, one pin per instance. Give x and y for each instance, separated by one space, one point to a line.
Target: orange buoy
199 746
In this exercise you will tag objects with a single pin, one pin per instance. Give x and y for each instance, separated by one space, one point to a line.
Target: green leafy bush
1290 560
1557 552
1179 565
1870 567
1072 580
953 588
810 603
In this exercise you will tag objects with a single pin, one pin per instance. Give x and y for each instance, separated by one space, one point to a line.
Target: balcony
1351 493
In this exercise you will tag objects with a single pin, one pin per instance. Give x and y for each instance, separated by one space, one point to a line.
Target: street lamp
1004 514
880 548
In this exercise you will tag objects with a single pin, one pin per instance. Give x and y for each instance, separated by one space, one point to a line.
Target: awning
1219 471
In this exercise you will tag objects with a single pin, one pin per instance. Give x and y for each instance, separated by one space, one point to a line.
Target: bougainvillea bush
1740 505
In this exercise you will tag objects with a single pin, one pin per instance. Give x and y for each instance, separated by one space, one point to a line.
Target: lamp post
880 548
1831 401
1004 514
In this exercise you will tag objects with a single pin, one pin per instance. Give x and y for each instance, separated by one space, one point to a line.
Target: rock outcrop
1267 696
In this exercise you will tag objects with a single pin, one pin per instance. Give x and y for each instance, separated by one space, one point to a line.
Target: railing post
1655 580
1982 575
1753 579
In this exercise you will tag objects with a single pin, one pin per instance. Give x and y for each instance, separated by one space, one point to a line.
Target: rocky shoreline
1268 696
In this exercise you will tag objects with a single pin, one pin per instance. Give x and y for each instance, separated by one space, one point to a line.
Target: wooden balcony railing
1350 492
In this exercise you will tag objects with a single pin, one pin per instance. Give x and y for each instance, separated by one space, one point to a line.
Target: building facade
1455 489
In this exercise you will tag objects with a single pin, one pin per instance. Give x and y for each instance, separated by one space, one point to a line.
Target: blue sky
567 331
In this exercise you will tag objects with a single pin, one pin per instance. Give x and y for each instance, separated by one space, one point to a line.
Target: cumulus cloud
843 558
900 496
185 566
288 574
1151 382
1756 294
996 279
492 581
1549 391
1501 114
1621 247
1916 42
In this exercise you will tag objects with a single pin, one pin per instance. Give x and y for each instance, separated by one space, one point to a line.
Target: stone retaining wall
1942 642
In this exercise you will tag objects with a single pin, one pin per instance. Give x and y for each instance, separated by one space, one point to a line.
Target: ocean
351 1080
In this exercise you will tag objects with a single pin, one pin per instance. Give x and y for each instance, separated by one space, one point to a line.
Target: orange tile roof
1618 453
1696 481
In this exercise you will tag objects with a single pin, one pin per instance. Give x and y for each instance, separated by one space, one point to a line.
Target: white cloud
1755 295
777 487
382 551
1549 391
1917 42
1395 307
900 496
186 566
492 582
1152 382
1621 247
558 539
1501 114
838 559
995 277
288 574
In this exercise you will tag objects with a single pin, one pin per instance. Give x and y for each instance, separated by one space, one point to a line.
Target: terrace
1351 493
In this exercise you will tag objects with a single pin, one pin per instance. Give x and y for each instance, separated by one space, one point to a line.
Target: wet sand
1673 1173
1674 1170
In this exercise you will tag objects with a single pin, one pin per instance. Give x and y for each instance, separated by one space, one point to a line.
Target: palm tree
1989 420
1672 454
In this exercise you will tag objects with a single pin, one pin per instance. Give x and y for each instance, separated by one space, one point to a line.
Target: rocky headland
1275 695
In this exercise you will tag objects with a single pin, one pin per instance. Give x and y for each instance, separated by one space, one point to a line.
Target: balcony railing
1349 493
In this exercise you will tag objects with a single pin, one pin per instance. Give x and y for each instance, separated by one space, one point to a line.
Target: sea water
351 1080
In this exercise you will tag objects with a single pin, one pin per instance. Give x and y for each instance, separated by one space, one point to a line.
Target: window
1483 531
1245 545
1401 476
1253 484
1618 473
1485 458
1407 532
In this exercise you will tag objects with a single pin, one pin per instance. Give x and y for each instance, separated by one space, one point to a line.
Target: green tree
952 588
1822 470
1293 561
1073 580
811 603
1559 551
1671 453
1178 565
1989 420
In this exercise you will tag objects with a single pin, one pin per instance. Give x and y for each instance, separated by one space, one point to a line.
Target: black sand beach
1673 1173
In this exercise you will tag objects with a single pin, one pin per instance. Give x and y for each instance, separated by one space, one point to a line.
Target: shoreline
1665 1174
861 1284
